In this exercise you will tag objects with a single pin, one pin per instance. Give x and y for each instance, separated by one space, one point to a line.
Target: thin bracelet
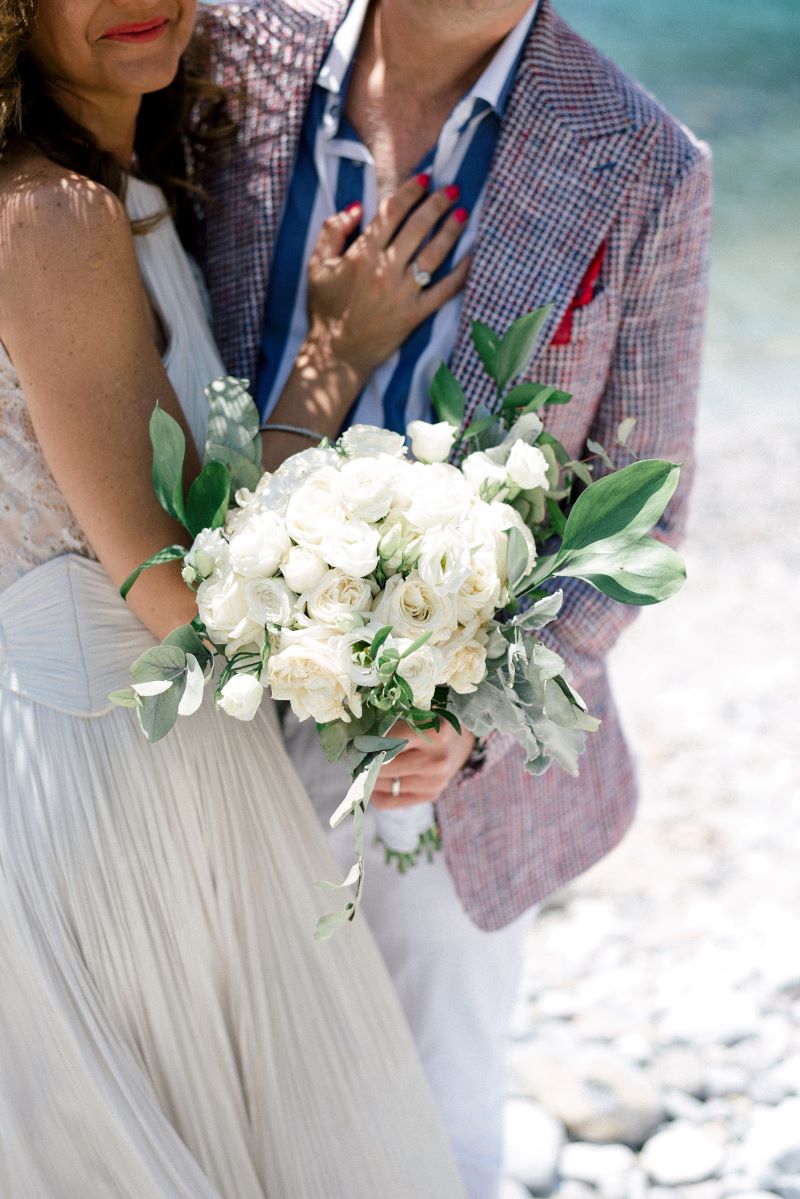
298 430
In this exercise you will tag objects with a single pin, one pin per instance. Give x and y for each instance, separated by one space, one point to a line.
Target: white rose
259 545
270 601
314 510
527 466
412 608
465 658
525 428
364 487
209 551
444 559
308 673
367 441
337 597
431 443
441 495
303 569
423 670
479 469
480 592
295 469
225 611
240 697
352 546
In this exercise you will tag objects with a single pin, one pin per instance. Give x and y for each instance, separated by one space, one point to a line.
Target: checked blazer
589 170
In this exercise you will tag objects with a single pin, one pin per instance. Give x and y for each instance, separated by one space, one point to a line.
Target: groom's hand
424 769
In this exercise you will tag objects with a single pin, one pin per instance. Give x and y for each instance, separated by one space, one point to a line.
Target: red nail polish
461 215
354 207
452 192
424 180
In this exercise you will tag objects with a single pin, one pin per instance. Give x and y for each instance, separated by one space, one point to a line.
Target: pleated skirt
169 1028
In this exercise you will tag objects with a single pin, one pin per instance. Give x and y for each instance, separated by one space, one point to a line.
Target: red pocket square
584 295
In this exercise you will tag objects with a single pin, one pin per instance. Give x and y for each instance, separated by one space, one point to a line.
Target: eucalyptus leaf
486 342
161 663
186 638
207 501
518 345
158 713
596 448
125 698
331 922
377 745
447 397
232 413
333 738
171 554
242 470
169 451
628 501
582 471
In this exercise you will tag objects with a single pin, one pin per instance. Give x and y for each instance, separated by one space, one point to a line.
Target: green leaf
447 397
632 571
415 645
378 640
517 560
518 345
558 449
207 501
158 713
126 698
557 518
329 924
628 501
170 554
243 471
161 663
186 638
451 719
581 471
477 427
486 342
595 448
233 417
333 738
169 449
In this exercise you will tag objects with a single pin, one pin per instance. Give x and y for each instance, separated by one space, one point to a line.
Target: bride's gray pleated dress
169 1029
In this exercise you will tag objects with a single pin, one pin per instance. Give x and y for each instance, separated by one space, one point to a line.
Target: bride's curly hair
186 119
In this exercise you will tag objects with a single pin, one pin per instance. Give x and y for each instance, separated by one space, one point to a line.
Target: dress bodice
36 523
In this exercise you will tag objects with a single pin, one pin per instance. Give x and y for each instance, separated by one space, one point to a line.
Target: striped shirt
334 169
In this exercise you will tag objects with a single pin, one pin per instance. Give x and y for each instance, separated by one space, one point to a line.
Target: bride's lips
137 32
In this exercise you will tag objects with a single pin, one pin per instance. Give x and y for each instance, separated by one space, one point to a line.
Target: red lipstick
137 31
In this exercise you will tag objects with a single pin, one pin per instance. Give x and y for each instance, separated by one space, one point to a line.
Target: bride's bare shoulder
50 214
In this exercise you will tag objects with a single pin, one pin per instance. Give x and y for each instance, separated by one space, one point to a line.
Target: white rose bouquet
365 586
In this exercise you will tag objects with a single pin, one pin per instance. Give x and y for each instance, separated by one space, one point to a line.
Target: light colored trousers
457 984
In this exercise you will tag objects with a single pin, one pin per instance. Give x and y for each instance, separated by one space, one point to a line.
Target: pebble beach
655 1050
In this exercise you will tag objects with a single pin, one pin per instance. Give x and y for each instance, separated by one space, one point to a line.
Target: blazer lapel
564 161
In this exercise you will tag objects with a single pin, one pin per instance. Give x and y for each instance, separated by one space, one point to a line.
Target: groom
580 191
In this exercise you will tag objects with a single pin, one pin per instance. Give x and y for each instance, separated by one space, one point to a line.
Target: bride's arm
363 304
76 322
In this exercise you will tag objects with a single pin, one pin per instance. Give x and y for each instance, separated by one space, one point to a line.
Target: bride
169 1029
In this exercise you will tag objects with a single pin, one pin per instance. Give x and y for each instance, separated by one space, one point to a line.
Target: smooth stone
606 1167
748 1194
772 1144
725 1080
705 1016
788 1187
685 1107
681 1154
533 1140
575 1190
593 1091
678 1069
511 1189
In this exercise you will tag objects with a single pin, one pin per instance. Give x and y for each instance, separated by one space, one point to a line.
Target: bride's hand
364 300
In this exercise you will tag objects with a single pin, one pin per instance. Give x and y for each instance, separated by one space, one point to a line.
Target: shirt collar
493 87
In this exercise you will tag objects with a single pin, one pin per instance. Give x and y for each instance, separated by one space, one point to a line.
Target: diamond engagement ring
395 788
421 277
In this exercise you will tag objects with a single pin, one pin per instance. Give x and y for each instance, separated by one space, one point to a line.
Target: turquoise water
731 71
